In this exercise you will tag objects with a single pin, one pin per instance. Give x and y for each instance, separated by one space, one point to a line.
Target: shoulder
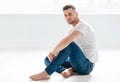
82 24
83 27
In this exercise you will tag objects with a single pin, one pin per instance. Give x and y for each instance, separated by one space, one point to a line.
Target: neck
75 22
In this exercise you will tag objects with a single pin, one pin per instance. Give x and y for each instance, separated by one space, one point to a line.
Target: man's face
70 15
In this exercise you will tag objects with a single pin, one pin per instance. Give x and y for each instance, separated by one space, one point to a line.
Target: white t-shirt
86 41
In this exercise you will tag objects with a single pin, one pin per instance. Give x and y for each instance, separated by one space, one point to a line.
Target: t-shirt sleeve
82 28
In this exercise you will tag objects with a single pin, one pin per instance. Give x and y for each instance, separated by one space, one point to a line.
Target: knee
70 46
46 61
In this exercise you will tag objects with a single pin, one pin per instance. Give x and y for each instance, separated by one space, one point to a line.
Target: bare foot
40 76
67 73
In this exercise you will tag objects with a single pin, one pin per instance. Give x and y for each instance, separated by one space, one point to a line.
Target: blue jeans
70 56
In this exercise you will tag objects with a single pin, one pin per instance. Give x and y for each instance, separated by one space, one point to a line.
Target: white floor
17 65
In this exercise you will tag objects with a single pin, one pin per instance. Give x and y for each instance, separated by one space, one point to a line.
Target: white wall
45 30
55 6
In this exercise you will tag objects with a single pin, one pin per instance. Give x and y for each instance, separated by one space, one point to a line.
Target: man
74 53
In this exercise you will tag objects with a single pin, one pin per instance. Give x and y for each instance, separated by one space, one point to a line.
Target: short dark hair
68 7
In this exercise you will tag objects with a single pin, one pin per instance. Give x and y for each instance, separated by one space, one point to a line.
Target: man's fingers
50 57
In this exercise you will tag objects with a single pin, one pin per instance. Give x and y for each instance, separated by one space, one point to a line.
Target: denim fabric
71 56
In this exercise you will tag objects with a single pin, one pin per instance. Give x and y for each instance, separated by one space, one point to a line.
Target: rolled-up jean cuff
47 70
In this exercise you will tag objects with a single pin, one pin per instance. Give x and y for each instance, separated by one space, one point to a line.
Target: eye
65 15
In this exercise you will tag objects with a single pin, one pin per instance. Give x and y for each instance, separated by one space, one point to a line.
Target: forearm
61 45
65 42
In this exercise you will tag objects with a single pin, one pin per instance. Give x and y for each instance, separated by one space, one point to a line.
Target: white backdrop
55 6
45 30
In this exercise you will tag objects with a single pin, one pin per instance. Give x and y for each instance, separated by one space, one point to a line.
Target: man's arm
65 42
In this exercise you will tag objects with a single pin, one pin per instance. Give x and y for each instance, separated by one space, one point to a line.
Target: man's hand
51 56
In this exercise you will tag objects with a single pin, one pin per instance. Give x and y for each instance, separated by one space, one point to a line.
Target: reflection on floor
17 65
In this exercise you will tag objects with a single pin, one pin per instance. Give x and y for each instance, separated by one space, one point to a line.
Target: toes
65 74
31 77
